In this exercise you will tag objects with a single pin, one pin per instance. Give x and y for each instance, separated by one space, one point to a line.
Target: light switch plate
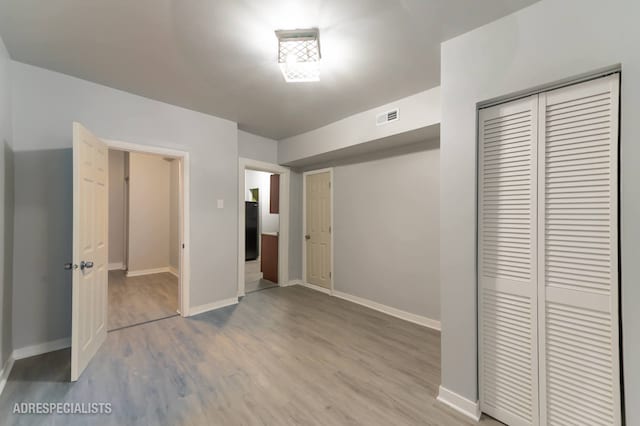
220 204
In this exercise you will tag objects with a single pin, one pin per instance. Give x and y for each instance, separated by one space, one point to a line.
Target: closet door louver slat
578 254
508 366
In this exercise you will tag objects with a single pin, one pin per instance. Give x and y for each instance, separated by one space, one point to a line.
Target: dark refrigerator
251 230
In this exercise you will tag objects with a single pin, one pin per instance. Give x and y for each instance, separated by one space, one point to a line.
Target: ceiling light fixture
299 54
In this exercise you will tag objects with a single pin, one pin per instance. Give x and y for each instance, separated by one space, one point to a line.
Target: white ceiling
219 56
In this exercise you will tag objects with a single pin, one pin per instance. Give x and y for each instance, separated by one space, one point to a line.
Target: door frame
304 229
245 164
183 211
504 99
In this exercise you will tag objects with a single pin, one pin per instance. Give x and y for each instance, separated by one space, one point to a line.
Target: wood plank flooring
136 300
283 356
261 284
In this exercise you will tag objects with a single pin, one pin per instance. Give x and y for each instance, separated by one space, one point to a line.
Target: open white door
90 198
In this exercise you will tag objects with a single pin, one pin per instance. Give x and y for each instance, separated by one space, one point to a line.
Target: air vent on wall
388 117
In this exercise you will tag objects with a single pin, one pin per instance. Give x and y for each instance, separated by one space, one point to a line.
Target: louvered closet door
578 252
508 368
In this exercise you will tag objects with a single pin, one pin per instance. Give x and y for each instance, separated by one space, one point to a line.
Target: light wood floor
261 284
282 356
136 300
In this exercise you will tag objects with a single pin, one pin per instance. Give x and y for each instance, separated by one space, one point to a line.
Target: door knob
86 265
307 237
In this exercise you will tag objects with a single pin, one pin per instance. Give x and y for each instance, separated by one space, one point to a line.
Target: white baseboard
116 266
290 283
140 272
6 370
196 310
173 271
316 288
459 403
398 313
41 348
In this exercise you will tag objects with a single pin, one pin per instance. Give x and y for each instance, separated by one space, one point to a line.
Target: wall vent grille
388 117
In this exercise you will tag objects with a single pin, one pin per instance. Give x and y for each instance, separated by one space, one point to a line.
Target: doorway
317 253
90 264
143 239
263 225
262 229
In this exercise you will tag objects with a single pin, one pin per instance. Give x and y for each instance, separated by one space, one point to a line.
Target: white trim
304 221
41 348
317 288
292 282
459 403
173 271
283 234
197 310
148 271
184 211
6 370
116 266
394 312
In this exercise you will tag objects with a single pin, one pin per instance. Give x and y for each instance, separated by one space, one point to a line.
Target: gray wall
45 104
6 211
549 41
295 226
257 147
116 207
149 212
386 230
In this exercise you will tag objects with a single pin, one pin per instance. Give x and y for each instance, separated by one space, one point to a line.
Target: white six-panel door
548 257
89 293
318 228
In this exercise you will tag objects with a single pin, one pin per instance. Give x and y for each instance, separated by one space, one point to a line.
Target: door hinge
329 229
330 275
182 245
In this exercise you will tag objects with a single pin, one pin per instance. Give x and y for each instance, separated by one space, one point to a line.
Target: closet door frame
540 92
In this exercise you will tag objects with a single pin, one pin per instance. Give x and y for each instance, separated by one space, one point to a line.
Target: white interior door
578 234
508 363
318 228
90 253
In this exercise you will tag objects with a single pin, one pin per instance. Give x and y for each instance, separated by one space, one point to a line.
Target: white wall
6 211
262 180
174 215
257 147
149 212
386 230
416 111
45 104
116 208
549 41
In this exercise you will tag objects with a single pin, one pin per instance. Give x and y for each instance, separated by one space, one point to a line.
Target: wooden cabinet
274 188
269 257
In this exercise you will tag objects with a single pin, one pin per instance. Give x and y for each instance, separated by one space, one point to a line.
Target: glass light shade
299 55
